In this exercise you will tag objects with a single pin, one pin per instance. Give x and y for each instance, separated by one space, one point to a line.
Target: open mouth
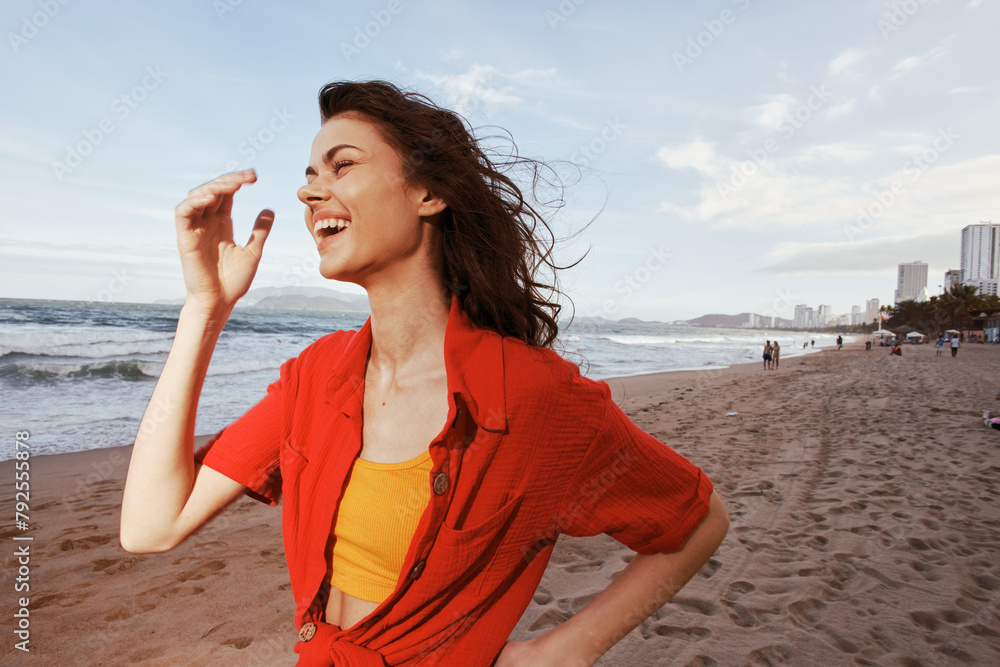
330 227
330 231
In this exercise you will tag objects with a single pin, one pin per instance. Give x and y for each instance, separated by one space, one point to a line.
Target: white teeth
330 223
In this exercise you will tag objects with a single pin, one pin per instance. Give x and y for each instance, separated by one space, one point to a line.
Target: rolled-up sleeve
247 450
634 488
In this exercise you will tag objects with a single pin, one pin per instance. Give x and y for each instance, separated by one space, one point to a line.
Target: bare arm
646 584
166 498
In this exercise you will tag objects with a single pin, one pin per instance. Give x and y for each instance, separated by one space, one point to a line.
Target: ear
430 204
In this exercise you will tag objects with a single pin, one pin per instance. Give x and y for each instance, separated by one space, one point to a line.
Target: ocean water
78 375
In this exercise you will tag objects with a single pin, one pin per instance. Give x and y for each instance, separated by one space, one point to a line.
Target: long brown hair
495 241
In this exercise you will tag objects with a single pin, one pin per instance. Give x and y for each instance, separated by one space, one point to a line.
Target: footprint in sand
740 615
541 597
550 619
675 632
129 612
769 656
85 543
578 603
238 642
928 572
114 565
693 606
709 569
585 566
830 636
702 661
807 612
211 567
738 589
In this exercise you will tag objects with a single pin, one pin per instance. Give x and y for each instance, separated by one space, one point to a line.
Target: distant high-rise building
911 282
952 277
855 314
800 320
981 253
825 316
981 257
871 311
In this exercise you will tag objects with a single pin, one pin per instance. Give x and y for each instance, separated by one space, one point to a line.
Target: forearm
646 584
161 471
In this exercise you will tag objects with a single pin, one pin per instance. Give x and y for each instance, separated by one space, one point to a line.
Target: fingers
261 228
213 197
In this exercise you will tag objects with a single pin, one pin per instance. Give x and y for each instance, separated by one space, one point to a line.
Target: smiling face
368 222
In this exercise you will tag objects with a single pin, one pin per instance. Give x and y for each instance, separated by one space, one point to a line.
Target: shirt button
440 484
417 570
307 631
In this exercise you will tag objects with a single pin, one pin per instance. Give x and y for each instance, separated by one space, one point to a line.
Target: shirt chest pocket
478 553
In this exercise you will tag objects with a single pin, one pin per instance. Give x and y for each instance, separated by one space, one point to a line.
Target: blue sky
738 155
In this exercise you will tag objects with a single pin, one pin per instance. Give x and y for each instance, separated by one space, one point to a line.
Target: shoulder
539 376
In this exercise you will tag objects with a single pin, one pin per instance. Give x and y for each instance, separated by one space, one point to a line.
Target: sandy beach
863 490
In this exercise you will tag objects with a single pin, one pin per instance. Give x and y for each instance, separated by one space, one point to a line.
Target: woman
400 551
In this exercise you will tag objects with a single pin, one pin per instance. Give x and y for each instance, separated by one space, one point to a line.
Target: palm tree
959 303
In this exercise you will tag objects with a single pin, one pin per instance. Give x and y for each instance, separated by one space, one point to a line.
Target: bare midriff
345 610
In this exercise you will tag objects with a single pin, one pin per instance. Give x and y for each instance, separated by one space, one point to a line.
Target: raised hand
217 272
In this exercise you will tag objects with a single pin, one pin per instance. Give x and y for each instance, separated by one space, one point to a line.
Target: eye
340 164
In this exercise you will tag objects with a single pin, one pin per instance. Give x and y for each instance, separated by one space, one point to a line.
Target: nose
311 193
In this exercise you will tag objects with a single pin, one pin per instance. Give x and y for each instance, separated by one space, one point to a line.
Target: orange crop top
376 521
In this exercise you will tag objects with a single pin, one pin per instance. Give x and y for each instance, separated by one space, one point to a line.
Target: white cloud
839 151
843 109
826 185
772 110
862 256
967 89
974 3
451 54
486 85
842 63
698 155
907 65
480 84
783 74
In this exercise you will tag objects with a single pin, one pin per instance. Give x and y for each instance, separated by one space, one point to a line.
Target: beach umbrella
883 332
952 331
914 334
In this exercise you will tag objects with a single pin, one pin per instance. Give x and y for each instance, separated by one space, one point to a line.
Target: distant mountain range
735 321
326 299
298 298
715 320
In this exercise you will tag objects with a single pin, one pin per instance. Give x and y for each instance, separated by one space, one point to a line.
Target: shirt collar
473 361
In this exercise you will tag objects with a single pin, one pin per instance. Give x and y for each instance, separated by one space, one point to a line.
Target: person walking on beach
775 352
813 342
426 464
767 355
939 344
954 346
840 342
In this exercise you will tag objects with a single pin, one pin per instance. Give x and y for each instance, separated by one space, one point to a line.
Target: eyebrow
328 157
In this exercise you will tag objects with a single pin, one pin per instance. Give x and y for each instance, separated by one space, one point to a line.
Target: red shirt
531 450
